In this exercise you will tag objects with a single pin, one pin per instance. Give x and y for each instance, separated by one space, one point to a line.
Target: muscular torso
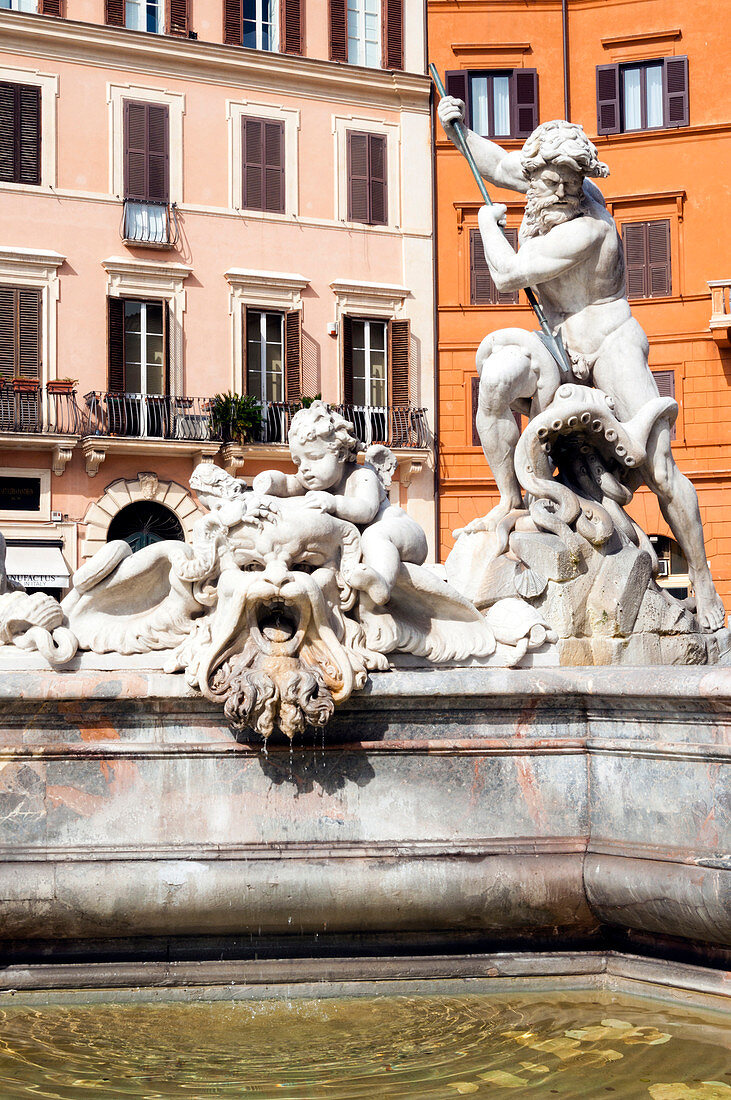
588 301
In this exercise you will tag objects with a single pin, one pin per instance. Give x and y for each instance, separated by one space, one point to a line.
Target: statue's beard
543 213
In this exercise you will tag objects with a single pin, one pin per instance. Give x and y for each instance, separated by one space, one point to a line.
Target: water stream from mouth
564 1045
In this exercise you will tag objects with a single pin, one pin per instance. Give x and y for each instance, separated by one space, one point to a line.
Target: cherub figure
324 449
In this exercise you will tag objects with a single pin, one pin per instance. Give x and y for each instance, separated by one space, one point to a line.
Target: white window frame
391 131
30 8
263 314
274 291
175 102
48 85
28 267
274 38
141 5
360 40
236 110
367 411
146 279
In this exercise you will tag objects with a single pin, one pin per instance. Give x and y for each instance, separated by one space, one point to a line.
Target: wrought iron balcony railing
30 407
148 416
150 224
197 419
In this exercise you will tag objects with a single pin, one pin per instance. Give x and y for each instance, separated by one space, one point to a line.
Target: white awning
37 566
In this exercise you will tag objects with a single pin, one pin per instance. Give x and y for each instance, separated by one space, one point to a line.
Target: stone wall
553 804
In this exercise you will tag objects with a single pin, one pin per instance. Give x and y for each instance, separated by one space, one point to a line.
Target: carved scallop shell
529 584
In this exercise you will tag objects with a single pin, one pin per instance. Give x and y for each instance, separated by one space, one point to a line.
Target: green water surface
505 1045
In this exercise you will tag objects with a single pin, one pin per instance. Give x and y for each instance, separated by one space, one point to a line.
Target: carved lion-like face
277 634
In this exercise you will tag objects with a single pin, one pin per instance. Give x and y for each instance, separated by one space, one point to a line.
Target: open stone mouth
276 622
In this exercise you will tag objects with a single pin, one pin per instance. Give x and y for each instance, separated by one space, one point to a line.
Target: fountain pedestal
558 806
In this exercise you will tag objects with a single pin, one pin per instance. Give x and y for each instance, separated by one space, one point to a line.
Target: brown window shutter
634 239
675 92
29 334
114 13
50 7
177 17
399 339
291 31
29 134
8 333
358 177
665 381
8 126
659 278
166 343
607 99
377 172
293 355
392 35
135 150
346 344
274 167
524 102
252 138
338 30
457 84
482 288
158 153
115 345
233 22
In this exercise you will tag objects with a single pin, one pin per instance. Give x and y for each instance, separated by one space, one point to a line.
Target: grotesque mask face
555 195
319 464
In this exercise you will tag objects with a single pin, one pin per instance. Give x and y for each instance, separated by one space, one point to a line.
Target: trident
554 344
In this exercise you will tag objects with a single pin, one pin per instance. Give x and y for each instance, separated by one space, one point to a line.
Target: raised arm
494 164
539 259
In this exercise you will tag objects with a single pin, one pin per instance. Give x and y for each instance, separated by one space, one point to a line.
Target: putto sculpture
597 425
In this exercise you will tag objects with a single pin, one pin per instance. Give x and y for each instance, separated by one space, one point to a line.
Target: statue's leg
679 505
622 372
507 375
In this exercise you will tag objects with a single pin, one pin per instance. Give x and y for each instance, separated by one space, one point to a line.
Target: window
367 32
262 144
367 185
265 355
375 375
20 333
673 567
143 15
20 133
146 173
483 291
272 366
260 24
30 6
665 381
138 367
144 522
274 25
364 33
647 258
650 95
502 103
148 15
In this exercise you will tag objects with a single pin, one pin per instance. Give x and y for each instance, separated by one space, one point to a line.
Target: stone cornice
162 55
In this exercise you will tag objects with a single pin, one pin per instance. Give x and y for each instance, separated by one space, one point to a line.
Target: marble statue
287 595
597 425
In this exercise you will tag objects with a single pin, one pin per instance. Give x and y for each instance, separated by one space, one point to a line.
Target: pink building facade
184 216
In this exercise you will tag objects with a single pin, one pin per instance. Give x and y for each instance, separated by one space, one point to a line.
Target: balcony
150 224
48 413
720 323
139 423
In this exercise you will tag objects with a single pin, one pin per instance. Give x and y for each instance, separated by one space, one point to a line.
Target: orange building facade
644 80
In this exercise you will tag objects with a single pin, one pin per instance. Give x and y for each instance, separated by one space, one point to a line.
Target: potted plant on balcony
62 385
236 418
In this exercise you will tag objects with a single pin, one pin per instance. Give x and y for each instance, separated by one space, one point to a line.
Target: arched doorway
144 522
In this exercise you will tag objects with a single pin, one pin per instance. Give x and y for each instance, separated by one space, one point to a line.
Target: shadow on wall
316 768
